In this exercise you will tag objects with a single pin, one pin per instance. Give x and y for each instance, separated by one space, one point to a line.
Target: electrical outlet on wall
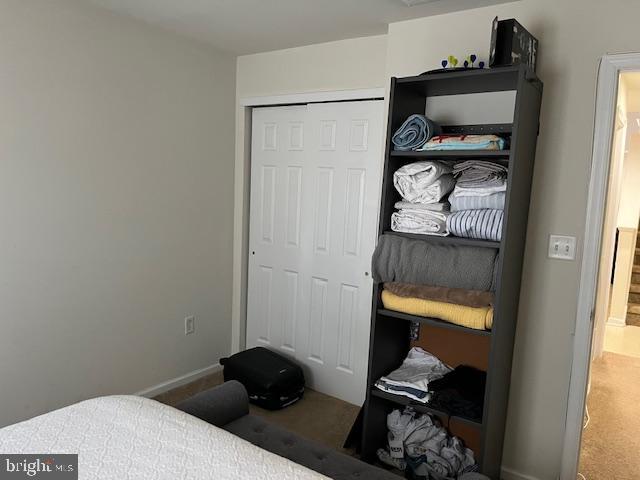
189 325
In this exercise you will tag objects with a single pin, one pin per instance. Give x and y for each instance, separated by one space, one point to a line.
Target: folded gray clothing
475 177
414 132
479 224
479 166
400 259
433 207
494 201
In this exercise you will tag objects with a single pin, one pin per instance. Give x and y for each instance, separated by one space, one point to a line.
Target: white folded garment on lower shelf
423 182
434 207
420 221
417 370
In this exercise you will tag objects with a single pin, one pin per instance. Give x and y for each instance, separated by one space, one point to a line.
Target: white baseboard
179 381
617 322
508 474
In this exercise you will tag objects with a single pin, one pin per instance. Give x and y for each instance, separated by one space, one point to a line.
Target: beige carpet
611 441
317 416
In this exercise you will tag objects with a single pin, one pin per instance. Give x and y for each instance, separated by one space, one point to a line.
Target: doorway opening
611 424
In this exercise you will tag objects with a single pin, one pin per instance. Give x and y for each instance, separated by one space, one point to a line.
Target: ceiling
251 26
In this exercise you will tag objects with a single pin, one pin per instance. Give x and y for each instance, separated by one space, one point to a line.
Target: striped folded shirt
483 224
493 201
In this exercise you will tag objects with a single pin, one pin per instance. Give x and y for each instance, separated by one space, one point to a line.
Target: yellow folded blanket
470 317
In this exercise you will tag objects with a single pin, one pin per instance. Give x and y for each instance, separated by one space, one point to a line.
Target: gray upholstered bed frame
227 406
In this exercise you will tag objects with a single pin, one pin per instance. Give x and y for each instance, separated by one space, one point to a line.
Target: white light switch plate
562 247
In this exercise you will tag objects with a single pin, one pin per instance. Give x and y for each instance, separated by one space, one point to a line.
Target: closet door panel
314 208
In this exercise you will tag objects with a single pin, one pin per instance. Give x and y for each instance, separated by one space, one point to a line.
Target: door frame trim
606 100
312 97
242 176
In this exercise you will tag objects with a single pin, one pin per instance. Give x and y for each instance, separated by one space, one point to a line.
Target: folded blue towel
414 132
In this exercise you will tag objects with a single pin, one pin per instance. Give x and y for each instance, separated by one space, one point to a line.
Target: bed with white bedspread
128 437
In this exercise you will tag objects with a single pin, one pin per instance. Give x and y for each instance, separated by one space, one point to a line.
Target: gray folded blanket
414 132
400 259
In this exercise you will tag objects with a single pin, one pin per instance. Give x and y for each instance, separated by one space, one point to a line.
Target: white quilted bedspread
127 437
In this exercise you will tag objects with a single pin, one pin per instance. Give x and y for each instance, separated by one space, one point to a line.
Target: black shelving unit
492 350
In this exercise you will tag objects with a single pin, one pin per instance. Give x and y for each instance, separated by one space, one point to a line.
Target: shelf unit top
468 81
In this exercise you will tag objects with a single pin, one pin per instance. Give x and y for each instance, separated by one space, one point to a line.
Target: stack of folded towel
398 259
414 133
477 201
467 308
422 186
464 142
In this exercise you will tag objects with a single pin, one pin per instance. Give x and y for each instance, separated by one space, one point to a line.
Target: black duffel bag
272 381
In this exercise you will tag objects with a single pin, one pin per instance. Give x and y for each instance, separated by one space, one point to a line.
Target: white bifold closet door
315 173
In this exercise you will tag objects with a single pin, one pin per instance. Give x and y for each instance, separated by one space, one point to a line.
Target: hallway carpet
611 441
317 416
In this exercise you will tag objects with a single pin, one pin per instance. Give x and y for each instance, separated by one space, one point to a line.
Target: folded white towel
423 182
434 207
431 193
420 221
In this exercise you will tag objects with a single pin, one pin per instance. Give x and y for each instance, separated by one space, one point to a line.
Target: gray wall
116 194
